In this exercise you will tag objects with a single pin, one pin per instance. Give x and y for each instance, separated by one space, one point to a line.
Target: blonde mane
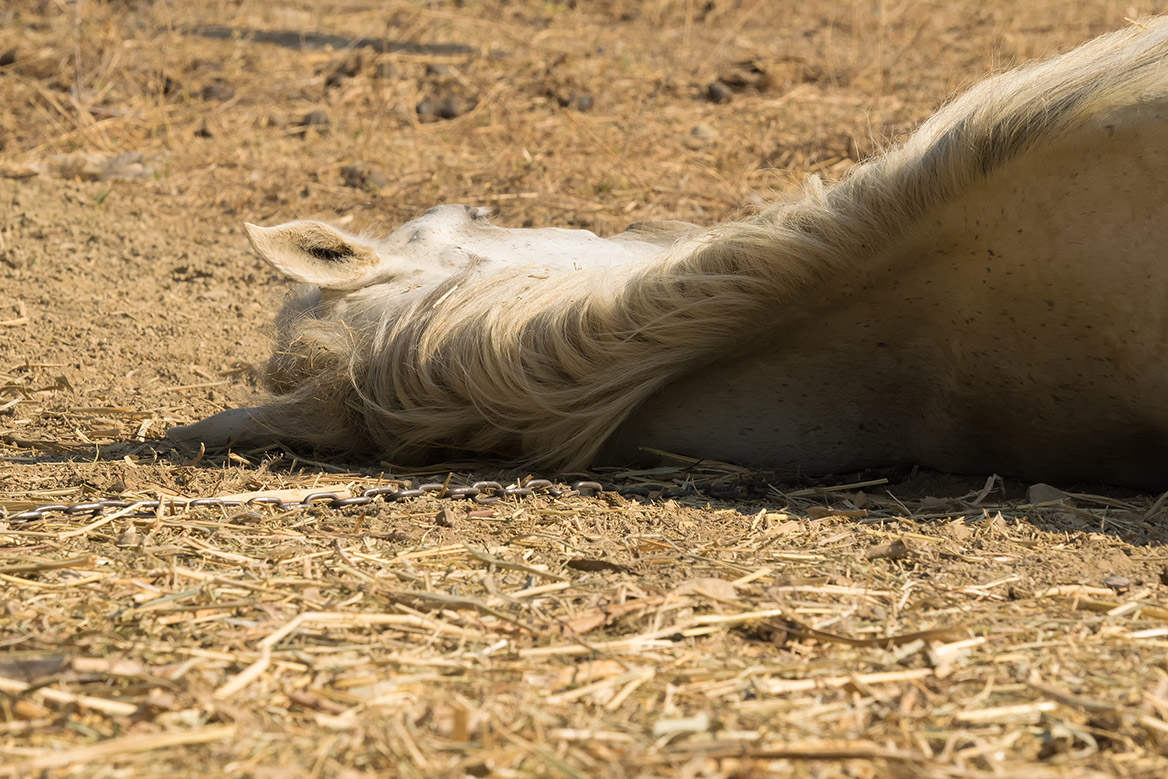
544 370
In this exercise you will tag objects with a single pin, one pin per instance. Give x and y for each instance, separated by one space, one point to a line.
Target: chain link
483 492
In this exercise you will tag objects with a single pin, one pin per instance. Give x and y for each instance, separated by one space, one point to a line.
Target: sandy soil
136 139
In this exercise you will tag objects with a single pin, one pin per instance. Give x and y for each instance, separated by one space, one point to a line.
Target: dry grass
546 636
765 625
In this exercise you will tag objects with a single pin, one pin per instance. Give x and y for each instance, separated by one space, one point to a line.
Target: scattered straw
878 624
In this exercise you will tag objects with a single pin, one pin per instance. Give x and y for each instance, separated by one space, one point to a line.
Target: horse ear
315 253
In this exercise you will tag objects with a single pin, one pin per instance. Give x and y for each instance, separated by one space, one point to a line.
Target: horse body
988 296
1009 333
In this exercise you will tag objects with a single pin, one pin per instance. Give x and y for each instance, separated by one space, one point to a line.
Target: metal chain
483 492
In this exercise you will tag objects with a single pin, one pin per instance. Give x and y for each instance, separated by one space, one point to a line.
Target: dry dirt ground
874 624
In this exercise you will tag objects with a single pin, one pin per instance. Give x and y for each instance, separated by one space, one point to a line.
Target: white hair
544 370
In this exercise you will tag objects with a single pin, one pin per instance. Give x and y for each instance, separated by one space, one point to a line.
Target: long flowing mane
544 370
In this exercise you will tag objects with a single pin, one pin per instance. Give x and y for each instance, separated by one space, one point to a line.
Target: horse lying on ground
990 296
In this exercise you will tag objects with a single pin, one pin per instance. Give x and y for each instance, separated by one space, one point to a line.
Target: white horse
990 296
